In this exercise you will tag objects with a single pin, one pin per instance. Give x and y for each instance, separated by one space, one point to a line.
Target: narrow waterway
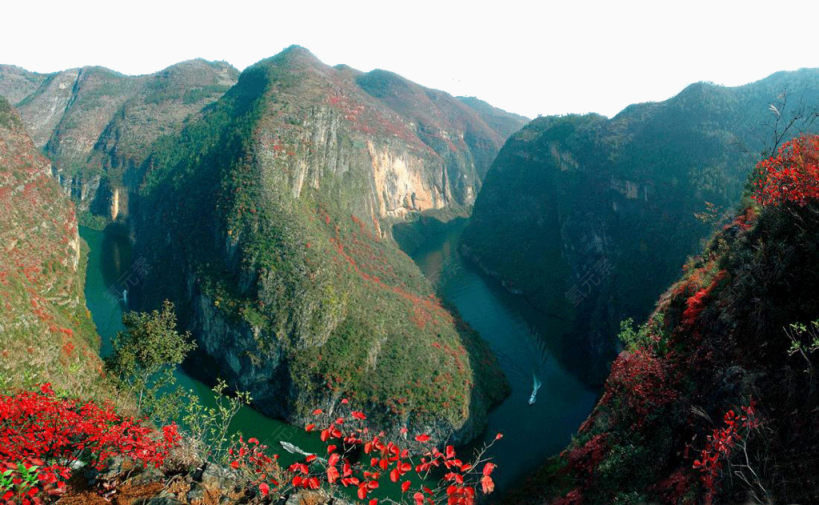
532 432
520 339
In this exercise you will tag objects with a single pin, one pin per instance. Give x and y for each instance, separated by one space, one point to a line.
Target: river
531 432
520 341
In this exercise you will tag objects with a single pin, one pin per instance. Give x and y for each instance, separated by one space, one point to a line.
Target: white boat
294 449
535 387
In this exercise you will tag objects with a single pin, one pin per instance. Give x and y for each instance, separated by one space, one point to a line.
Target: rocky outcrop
46 334
601 213
97 125
269 223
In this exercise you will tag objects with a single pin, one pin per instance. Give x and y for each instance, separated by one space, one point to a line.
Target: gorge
337 240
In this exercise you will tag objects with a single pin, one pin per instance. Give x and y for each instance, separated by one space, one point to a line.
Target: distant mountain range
97 125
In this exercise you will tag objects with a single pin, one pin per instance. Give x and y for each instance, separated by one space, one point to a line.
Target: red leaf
487 485
334 459
332 474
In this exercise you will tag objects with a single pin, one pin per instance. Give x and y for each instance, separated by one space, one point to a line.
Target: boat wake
294 449
536 385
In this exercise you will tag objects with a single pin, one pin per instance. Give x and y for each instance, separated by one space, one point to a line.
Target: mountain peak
298 53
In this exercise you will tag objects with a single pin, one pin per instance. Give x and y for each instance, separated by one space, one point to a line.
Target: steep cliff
46 334
96 124
714 399
268 222
602 212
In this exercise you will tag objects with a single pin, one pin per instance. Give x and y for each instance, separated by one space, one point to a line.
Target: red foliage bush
721 444
790 176
586 458
642 378
573 497
359 459
696 303
42 437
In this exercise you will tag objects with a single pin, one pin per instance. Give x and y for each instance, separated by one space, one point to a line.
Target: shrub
145 357
721 445
42 438
790 176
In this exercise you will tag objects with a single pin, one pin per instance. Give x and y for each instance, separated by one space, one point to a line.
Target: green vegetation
650 334
145 357
142 365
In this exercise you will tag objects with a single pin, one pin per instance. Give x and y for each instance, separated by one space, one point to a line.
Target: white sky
536 57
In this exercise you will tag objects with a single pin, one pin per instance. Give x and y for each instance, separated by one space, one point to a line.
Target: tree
145 356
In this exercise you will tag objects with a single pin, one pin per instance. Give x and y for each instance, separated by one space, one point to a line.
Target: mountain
17 83
96 124
268 221
714 399
46 333
505 123
602 212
